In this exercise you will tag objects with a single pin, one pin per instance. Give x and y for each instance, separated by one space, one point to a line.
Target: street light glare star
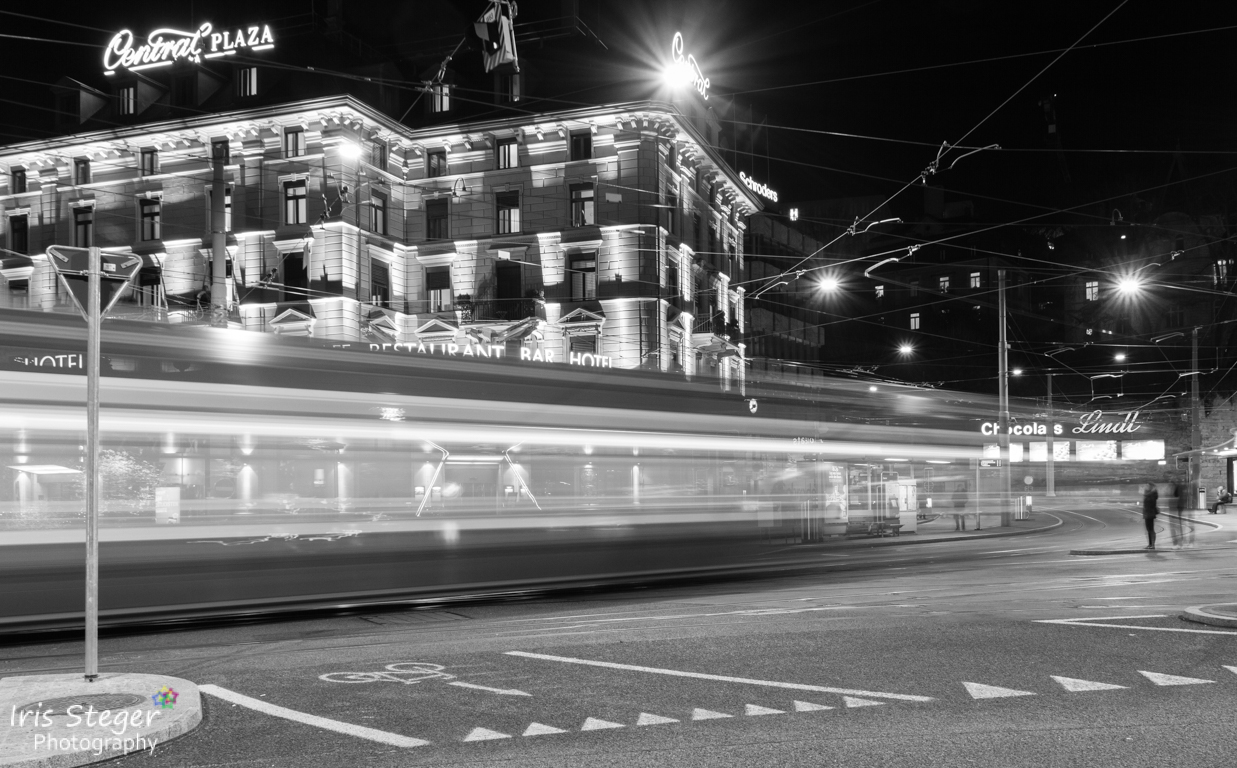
1017 371
1128 285
906 349
829 284
1120 357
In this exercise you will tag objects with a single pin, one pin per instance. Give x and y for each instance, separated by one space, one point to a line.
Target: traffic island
57 721
1218 615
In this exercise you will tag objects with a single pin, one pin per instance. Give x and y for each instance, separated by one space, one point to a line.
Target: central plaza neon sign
164 47
687 68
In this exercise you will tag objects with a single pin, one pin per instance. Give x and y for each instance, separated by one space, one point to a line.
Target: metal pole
1003 373
219 241
1196 427
1052 483
92 465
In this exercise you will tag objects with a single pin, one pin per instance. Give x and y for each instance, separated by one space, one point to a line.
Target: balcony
501 310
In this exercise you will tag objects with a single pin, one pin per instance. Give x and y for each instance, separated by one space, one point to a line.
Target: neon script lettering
688 67
165 46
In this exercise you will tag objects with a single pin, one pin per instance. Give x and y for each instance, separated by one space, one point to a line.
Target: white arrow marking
485 734
720 678
1074 685
1090 623
647 719
537 729
503 691
707 714
851 701
593 724
752 710
1231 669
981 691
1161 679
807 706
360 731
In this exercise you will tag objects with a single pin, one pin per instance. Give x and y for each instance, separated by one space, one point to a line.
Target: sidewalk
57 721
1219 615
1135 541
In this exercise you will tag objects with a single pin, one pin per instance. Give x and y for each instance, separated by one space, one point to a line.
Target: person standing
1175 521
1151 508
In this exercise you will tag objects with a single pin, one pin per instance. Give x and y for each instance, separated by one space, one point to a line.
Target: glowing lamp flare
1129 285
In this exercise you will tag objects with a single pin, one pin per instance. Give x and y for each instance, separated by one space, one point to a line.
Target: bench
873 528
960 519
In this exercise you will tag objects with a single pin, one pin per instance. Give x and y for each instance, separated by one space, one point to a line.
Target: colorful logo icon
165 698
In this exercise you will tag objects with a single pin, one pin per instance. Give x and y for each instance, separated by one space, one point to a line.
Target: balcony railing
501 310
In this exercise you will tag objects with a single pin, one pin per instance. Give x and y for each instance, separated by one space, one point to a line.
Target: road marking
1231 669
1074 686
502 691
981 691
752 710
593 724
719 678
807 706
851 701
537 729
647 719
485 734
1091 623
707 714
1162 679
359 731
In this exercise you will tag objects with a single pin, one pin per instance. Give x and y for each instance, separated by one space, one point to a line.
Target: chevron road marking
1092 623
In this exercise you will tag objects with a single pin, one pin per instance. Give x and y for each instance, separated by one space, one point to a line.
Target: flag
496 28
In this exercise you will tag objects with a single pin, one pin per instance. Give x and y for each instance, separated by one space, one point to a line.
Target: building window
914 288
440 98
151 219
976 280
583 272
378 213
247 81
293 142
150 161
438 288
378 155
509 88
508 212
582 210
1222 270
582 145
581 345
1175 317
672 279
508 154
227 207
436 163
19 234
880 291
18 179
81 172
294 202
83 227
379 283
437 223
914 321
222 149
126 100
1092 290
943 283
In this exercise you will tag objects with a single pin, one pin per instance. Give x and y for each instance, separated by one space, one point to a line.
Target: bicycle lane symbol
411 673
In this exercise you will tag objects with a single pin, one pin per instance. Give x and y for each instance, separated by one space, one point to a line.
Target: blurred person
1180 492
1151 508
1222 497
959 500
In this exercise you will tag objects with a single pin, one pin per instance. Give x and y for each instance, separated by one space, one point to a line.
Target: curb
1204 615
82 744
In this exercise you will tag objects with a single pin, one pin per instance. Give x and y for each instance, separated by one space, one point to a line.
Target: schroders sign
762 190
164 47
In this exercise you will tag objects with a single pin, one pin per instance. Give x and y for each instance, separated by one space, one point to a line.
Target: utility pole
1052 484
1003 428
1196 427
219 239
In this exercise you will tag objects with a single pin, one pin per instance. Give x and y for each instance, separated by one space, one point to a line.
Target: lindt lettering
163 47
1093 424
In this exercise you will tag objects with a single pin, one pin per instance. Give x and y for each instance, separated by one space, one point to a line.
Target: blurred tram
245 471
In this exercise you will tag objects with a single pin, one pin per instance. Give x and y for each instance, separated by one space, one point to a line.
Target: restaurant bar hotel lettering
494 351
1089 424
163 47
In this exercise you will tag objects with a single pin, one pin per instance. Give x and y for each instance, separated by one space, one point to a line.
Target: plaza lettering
166 46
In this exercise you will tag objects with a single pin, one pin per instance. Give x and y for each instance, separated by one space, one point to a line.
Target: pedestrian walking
1180 491
960 495
1222 497
1151 508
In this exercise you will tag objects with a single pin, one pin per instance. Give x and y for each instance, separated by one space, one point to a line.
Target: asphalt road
947 654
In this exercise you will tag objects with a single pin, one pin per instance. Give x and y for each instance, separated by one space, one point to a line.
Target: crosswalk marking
807 706
485 734
851 701
981 691
537 729
1162 679
593 724
706 714
1073 685
753 711
647 719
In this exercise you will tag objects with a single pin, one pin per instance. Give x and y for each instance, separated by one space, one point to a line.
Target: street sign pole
92 464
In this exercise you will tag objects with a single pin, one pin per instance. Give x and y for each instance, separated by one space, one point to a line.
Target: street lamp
906 349
1129 285
829 284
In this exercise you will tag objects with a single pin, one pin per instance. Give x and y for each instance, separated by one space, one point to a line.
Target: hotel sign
493 351
164 47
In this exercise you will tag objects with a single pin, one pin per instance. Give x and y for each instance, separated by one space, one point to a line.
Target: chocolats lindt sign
1088 424
164 47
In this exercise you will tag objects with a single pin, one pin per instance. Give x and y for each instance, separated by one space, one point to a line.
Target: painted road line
1074 685
1092 623
485 734
719 678
1161 679
593 724
708 714
1231 669
503 691
359 731
537 729
647 719
981 691
851 701
807 706
751 710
